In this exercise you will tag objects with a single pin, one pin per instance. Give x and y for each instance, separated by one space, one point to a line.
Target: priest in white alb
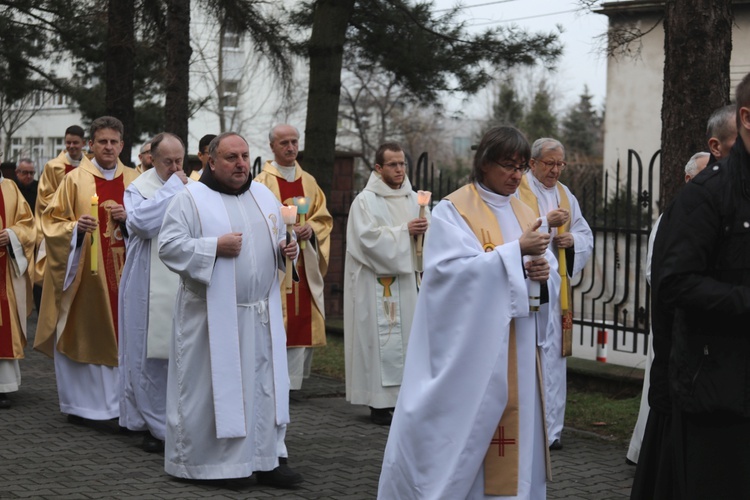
572 244
228 386
469 422
147 294
380 284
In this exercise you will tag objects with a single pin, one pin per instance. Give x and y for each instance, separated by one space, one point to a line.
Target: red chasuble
68 168
110 236
299 302
6 332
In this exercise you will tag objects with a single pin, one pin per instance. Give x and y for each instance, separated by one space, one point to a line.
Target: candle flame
423 198
302 204
289 214
94 199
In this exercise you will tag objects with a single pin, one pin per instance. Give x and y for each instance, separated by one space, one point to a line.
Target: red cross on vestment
500 441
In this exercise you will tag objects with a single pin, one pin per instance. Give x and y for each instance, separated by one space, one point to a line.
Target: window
462 146
58 145
59 100
230 96
230 39
16 148
36 148
37 99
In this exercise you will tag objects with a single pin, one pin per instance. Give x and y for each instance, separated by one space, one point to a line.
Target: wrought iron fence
611 293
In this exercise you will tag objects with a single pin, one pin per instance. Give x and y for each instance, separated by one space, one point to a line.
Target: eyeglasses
395 164
25 172
552 164
521 167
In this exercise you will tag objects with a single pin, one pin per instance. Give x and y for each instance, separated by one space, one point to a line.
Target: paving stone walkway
330 442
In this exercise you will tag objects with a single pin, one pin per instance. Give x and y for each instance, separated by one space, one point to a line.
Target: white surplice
378 244
455 385
146 301
636 440
553 363
203 406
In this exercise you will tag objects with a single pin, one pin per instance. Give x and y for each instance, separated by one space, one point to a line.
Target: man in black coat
704 275
25 173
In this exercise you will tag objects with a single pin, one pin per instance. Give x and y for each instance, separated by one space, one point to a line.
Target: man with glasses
572 243
25 179
146 160
380 284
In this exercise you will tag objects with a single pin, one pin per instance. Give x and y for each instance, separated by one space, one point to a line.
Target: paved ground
330 442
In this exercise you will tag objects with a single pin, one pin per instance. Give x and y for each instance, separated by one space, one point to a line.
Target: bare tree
14 114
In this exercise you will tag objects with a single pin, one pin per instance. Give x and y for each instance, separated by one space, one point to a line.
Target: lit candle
289 215
303 206
423 199
94 235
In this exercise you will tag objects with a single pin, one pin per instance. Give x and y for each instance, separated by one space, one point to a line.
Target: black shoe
381 416
151 444
76 420
630 462
4 401
281 477
556 445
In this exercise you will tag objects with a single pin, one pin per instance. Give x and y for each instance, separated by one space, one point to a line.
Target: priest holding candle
85 256
228 386
304 309
384 234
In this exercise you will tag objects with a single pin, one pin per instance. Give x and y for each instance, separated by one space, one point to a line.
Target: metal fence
611 293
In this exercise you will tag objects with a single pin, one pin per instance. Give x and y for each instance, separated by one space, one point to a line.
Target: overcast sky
582 63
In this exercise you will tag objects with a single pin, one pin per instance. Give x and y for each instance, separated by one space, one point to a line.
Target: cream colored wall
634 95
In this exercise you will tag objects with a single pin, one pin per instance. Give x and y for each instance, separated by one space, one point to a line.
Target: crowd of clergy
185 304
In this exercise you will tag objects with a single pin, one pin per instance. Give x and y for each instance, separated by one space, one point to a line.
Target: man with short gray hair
721 131
304 309
572 244
228 386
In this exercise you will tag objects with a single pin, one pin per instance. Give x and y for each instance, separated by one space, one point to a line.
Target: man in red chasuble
304 312
83 233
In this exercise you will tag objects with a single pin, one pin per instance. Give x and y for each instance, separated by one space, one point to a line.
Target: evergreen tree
508 108
428 54
540 121
581 127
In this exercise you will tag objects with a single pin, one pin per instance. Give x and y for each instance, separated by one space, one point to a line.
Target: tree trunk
120 69
326 51
176 105
697 49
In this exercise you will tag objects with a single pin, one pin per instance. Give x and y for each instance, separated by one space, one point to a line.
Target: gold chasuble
15 290
81 318
49 181
566 294
501 460
304 310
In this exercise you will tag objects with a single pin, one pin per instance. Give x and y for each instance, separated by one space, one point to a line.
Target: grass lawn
602 412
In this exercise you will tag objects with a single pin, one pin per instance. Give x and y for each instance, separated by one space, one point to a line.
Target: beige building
635 78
